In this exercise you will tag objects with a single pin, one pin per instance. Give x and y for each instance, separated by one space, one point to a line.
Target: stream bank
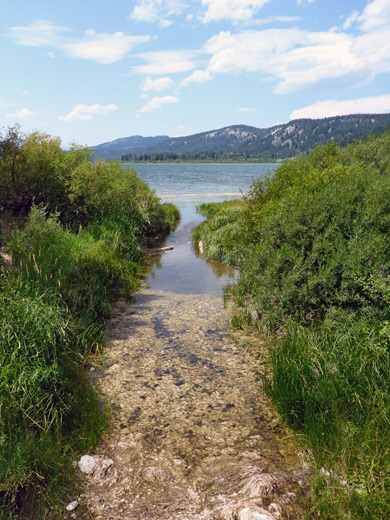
192 435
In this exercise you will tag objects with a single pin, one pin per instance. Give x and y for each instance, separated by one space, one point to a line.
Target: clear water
182 271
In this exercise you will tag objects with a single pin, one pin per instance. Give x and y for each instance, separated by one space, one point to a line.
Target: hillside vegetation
313 247
243 143
75 232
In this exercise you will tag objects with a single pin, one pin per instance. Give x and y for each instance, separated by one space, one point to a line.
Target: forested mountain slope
298 137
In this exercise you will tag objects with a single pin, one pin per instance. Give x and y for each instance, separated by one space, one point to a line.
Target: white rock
244 514
248 514
87 464
72 506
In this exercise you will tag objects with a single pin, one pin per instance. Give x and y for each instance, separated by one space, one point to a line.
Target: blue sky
93 71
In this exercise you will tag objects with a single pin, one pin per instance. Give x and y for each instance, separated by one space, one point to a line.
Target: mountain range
297 137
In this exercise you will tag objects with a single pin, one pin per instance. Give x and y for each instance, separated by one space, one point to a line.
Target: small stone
249 514
244 514
72 505
154 474
87 464
260 484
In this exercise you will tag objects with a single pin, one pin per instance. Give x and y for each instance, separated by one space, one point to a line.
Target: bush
78 248
313 231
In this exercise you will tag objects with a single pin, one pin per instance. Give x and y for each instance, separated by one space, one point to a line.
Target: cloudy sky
92 71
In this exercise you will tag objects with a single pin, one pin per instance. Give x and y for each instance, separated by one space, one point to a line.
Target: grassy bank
313 248
75 231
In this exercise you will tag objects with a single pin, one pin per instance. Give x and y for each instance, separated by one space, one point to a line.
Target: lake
216 180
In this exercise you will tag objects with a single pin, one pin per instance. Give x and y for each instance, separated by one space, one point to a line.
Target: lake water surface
215 178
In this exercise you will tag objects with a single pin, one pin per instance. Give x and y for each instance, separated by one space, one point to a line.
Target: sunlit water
191 429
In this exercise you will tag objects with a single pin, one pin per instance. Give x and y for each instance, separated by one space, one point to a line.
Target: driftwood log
158 250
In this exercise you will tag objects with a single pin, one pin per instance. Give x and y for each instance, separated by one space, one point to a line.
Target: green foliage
315 264
314 228
220 234
34 169
78 248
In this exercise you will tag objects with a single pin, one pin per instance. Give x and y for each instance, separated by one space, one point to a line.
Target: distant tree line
210 156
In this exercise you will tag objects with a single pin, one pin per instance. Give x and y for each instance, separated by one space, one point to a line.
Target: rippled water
192 434
183 178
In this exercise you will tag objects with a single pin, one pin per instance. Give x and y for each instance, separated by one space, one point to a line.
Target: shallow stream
192 434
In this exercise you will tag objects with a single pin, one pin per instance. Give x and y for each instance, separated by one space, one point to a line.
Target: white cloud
40 33
236 10
157 102
103 48
250 51
300 60
351 19
376 14
100 47
23 113
157 84
157 11
330 108
305 2
164 62
86 112
147 11
51 55
198 76
246 109
273 19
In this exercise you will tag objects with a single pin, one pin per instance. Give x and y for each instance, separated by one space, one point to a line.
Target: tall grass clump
315 268
220 233
75 231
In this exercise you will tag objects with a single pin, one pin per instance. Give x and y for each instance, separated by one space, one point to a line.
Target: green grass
332 384
220 234
43 394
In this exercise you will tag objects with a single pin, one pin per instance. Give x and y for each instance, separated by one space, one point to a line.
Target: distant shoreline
249 161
